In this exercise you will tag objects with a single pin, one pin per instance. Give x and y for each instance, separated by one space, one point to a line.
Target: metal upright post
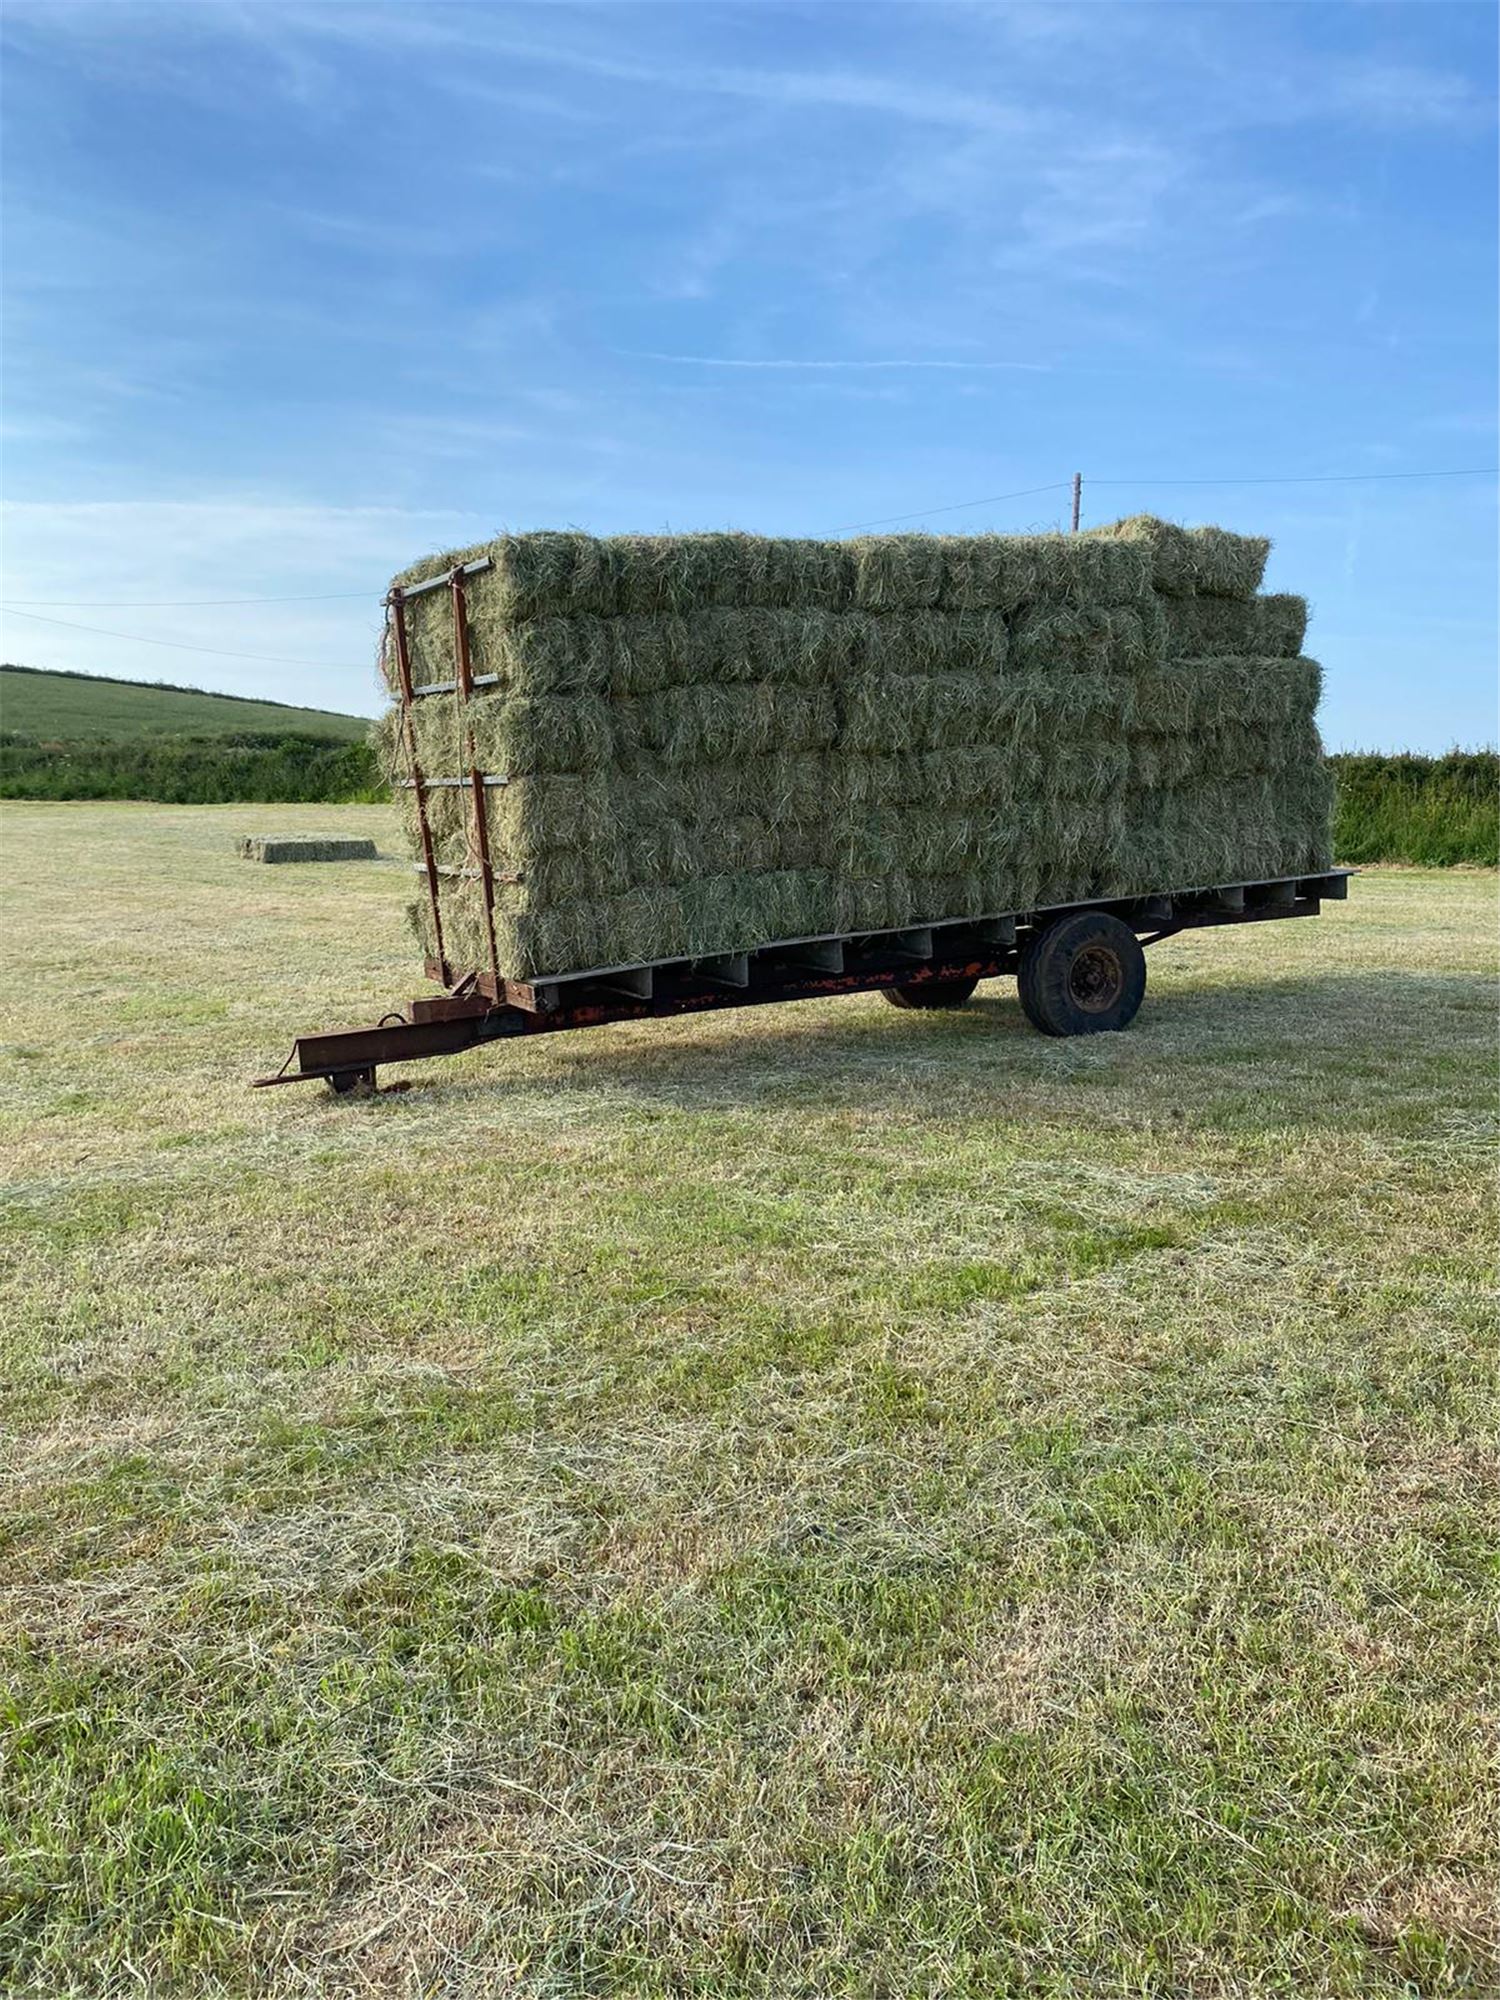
396 606
463 687
1077 499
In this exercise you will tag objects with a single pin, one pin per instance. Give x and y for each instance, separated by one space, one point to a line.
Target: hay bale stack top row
709 742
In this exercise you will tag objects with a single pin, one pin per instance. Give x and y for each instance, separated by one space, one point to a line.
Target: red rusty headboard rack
396 606
463 679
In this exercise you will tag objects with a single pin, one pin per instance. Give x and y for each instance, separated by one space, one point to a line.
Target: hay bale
712 723
279 848
1271 627
898 572
993 572
1007 572
1087 638
1195 697
1187 562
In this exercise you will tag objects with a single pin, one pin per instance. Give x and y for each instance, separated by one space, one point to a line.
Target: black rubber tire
932 993
1083 975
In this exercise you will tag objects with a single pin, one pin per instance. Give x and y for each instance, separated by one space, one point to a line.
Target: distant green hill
80 736
78 708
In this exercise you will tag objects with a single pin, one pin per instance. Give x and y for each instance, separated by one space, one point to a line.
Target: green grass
70 736
1430 811
815 1502
86 708
189 770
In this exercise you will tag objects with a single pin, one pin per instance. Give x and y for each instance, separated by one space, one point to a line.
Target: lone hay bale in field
263 847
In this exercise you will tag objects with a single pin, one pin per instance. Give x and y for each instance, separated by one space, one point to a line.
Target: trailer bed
485 1007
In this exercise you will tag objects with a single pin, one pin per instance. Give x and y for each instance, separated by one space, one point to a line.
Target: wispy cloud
1105 196
483 31
794 362
1399 94
828 89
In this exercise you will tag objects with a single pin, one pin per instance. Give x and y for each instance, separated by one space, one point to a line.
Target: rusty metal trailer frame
483 1007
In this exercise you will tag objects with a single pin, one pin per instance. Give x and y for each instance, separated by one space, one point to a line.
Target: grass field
87 708
831 1502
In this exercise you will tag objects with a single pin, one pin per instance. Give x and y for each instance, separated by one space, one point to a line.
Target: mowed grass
820 1502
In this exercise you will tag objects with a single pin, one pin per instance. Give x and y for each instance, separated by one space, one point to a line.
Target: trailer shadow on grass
1315 1049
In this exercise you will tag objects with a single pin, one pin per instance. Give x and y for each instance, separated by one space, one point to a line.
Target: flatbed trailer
1080 968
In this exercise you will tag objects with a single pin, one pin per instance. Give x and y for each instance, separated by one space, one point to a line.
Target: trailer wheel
931 993
1083 975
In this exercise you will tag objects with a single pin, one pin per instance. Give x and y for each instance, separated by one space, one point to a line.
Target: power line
15 606
179 645
189 603
956 507
1307 479
1291 479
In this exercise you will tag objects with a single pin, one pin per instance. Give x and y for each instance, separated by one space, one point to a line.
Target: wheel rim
1096 979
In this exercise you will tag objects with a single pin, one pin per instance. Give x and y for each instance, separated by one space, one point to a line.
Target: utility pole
1077 499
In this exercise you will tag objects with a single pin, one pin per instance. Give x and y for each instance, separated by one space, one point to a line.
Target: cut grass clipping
713 741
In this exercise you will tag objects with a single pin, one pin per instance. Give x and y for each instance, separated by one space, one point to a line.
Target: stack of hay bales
714 741
1251 797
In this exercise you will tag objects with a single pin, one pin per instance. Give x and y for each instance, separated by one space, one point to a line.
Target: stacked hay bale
1252 796
713 741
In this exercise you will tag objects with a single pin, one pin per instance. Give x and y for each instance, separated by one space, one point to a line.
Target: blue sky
296 293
